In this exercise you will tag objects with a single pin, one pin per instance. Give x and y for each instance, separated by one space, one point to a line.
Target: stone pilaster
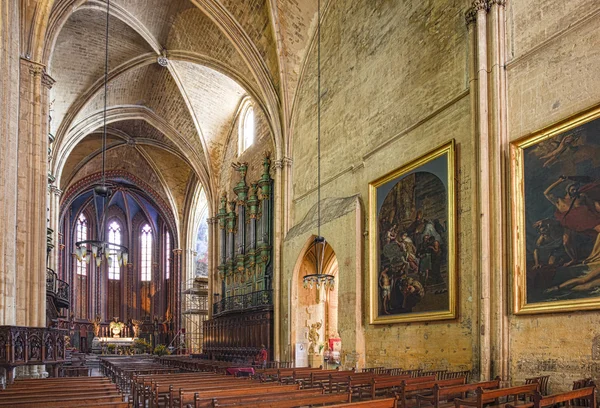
32 176
9 137
176 293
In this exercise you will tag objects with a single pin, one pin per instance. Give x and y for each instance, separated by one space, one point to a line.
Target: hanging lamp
319 244
101 248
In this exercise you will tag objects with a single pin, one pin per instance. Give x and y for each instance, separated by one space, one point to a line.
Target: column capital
470 16
47 80
481 5
55 190
277 164
178 251
501 3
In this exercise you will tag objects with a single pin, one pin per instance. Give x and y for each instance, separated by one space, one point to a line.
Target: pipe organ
242 318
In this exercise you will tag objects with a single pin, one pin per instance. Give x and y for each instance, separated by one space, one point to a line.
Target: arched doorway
314 310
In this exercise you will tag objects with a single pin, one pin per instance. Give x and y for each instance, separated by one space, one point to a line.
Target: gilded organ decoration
245 228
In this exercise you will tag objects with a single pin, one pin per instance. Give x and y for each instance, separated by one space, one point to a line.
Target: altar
116 328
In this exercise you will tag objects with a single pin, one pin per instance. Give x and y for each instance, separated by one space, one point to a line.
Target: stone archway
315 317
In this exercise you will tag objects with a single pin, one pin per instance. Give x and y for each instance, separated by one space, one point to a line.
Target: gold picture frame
555 196
412 241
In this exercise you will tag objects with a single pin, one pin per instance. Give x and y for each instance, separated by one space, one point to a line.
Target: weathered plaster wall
552 72
394 86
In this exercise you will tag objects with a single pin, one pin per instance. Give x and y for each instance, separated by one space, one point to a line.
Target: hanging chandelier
317 249
99 249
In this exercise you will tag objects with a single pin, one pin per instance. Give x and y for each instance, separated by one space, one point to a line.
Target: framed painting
412 241
556 217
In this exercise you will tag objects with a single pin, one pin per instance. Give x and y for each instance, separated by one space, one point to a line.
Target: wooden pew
228 397
578 396
394 382
163 391
493 396
358 384
447 394
379 403
325 377
222 389
285 402
50 402
409 389
142 385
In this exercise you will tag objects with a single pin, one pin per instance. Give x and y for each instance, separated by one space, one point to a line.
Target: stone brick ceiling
219 51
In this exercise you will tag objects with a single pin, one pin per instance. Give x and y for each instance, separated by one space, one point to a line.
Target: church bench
322 377
393 382
359 384
51 402
57 394
142 384
443 396
484 396
81 371
374 370
287 375
412 387
286 402
160 391
174 395
437 373
379 403
75 380
57 389
455 374
198 401
580 396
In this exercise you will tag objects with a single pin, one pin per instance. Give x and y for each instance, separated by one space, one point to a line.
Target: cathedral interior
350 184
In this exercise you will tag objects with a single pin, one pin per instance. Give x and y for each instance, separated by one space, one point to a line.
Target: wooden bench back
378 403
199 402
582 394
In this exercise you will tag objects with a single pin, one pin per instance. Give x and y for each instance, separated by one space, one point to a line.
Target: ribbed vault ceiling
176 119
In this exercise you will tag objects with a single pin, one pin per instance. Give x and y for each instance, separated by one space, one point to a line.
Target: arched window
81 229
146 253
247 129
167 255
114 237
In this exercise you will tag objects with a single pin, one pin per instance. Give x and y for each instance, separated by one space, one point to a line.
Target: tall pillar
176 299
32 176
9 140
54 213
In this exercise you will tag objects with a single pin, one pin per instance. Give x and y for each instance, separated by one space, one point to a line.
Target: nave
181 381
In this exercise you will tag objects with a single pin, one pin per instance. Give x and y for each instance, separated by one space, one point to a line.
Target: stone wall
552 74
401 79
394 86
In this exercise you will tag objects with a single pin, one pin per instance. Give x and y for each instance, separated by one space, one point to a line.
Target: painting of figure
557 261
412 244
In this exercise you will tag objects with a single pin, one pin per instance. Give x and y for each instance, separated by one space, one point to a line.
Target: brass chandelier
101 248
319 244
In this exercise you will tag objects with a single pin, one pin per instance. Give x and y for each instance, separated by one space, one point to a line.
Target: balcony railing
248 301
57 289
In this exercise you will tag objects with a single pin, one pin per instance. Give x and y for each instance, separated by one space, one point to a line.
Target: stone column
276 244
31 196
176 299
499 152
9 140
54 207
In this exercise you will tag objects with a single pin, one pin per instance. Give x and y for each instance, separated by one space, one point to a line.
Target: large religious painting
412 241
556 217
